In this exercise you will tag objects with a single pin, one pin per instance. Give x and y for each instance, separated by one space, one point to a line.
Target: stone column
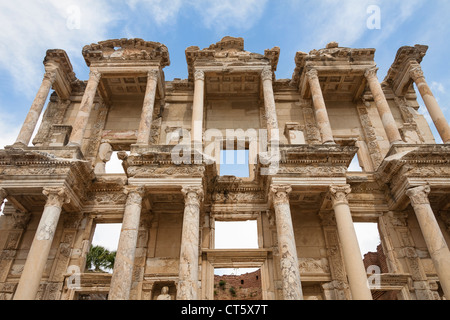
383 107
290 271
431 103
269 103
437 247
3 195
33 115
81 121
123 267
188 274
319 106
356 272
40 248
143 136
197 110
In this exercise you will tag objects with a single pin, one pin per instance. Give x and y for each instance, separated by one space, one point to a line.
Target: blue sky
30 27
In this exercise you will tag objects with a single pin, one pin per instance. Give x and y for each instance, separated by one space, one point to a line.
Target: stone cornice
126 50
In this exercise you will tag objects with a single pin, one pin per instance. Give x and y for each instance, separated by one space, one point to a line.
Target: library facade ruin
300 134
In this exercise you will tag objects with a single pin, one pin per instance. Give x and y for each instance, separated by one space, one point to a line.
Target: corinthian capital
266 74
152 75
339 194
416 72
95 75
419 195
193 195
56 196
280 193
134 195
312 74
50 75
371 73
199 75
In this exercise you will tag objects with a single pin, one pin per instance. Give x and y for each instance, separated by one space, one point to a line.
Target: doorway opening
237 284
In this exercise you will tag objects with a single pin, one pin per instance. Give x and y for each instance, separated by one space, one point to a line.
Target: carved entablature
315 160
408 166
332 63
57 62
229 53
398 76
126 50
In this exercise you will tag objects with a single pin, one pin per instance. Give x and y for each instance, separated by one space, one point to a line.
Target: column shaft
431 103
145 125
81 121
123 266
383 107
269 103
33 115
320 108
197 109
40 248
290 271
188 273
356 272
434 239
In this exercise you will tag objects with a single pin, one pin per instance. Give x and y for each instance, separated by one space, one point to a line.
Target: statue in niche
104 155
164 295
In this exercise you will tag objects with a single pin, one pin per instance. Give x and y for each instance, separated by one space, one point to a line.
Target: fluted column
269 103
320 108
434 239
383 107
431 103
40 248
143 136
123 266
33 115
290 271
81 121
197 109
188 272
356 272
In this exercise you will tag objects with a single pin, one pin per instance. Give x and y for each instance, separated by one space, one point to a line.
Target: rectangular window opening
236 234
103 249
235 163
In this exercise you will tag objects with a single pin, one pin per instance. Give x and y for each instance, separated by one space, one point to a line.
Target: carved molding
280 194
419 195
56 196
339 194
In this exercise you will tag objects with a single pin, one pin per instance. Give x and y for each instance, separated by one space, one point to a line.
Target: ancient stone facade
301 135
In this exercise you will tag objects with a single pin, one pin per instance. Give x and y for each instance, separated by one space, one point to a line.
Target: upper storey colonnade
146 60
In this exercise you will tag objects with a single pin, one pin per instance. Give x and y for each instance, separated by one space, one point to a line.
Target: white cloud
31 27
8 129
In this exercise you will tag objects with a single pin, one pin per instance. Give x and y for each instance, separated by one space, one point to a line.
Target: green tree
100 259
